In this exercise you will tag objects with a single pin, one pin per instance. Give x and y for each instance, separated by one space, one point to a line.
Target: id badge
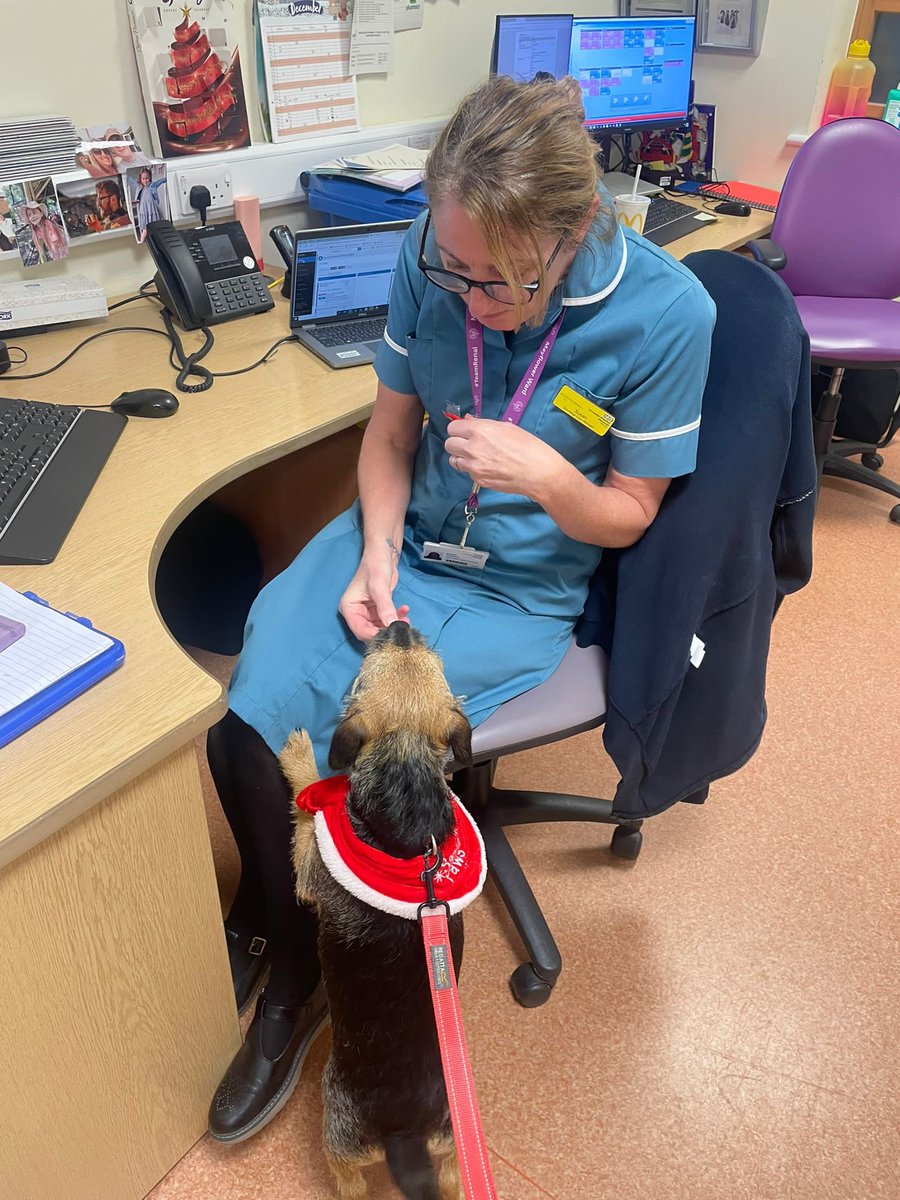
454 555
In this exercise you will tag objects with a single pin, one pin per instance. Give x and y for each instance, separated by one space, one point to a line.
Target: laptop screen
344 273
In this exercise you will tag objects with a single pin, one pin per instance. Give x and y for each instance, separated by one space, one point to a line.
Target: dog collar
393 885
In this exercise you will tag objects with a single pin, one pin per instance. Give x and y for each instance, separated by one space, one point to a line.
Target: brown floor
726 1026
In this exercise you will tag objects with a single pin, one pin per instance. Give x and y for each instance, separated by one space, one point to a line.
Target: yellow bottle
851 84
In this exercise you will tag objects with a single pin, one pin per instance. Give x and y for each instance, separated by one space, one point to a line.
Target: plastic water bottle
851 84
891 112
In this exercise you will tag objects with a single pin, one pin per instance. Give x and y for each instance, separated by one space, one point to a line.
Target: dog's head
399 724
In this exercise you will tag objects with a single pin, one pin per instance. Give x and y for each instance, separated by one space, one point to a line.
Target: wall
84 67
762 101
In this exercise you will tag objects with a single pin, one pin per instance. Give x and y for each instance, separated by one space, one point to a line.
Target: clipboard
17 720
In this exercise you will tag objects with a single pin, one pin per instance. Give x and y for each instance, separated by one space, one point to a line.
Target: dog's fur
383 1086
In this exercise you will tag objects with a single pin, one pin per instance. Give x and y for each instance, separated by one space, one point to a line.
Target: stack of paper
397 167
33 147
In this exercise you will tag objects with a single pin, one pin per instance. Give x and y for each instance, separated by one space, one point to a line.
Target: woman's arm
509 459
385 476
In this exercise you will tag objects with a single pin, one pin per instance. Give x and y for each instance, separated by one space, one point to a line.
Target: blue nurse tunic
635 339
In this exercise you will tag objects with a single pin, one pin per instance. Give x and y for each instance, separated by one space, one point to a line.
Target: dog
383 1086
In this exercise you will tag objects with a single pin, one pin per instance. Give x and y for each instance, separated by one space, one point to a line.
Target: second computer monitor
525 46
633 72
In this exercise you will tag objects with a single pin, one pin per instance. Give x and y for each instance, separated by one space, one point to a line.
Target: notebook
340 288
765 199
52 661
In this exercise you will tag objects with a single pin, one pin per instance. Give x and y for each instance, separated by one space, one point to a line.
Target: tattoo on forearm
393 549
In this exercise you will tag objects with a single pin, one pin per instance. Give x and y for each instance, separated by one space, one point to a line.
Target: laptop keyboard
663 212
346 333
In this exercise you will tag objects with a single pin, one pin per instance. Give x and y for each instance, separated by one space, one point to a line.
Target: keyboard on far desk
663 212
353 331
50 457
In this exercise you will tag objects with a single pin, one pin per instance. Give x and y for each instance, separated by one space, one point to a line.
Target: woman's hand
501 456
367 605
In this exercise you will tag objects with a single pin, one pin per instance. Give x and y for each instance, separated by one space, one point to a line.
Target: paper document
407 14
372 37
52 647
392 158
305 49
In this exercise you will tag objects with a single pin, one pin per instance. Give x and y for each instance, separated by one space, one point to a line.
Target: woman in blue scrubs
560 361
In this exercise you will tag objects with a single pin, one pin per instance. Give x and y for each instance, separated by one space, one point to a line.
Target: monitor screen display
525 45
633 72
346 274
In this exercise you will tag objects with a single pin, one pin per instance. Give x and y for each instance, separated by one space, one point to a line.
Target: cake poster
189 64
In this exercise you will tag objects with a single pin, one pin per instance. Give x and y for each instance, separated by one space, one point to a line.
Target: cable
259 362
189 363
103 333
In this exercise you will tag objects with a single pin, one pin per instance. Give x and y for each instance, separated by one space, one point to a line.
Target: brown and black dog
383 1087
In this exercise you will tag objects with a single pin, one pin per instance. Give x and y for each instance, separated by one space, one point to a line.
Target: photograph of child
31 222
145 193
93 206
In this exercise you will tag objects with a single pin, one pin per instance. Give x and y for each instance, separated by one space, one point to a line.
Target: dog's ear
460 739
346 744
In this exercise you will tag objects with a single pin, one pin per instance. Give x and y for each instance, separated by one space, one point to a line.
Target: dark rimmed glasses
452 281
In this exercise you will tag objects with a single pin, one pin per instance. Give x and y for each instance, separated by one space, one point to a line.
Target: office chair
836 243
756 408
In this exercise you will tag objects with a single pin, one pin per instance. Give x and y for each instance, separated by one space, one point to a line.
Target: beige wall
84 67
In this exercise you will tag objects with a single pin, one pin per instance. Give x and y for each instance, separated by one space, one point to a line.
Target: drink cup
632 211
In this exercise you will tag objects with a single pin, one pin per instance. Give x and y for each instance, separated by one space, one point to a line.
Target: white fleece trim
652 437
342 874
393 345
610 287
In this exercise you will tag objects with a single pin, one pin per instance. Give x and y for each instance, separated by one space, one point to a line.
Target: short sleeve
407 289
657 413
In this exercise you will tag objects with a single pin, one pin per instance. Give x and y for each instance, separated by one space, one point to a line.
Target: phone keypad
242 293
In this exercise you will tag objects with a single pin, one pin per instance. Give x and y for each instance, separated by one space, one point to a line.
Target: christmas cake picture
190 75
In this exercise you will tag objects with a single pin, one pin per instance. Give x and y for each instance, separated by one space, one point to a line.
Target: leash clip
432 859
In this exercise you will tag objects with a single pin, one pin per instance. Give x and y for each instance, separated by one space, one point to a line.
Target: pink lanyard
515 410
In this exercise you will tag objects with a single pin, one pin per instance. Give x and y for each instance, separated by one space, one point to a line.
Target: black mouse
733 208
145 402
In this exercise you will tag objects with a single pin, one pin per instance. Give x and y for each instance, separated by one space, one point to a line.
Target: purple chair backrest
838 219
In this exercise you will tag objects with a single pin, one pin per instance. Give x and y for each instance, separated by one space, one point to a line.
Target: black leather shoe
249 961
257 1086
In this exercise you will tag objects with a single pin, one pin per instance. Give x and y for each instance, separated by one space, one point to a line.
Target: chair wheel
895 514
873 461
626 843
528 987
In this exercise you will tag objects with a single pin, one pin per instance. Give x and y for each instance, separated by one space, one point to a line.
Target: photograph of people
147 200
110 205
46 230
7 226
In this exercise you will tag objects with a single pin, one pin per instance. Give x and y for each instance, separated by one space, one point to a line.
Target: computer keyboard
50 457
345 333
663 212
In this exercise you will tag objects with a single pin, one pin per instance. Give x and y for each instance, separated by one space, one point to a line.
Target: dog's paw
298 762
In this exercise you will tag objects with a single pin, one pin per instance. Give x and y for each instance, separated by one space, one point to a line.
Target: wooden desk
119 1018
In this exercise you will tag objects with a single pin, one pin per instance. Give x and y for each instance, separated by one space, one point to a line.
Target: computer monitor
525 45
634 72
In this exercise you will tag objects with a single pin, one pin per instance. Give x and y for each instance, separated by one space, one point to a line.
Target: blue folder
24 715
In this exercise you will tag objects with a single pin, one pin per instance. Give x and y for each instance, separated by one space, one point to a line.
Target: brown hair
517 160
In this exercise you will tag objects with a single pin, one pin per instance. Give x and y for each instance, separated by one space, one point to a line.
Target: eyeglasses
451 281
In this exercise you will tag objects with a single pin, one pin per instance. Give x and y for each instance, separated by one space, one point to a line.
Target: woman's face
104 160
33 215
463 250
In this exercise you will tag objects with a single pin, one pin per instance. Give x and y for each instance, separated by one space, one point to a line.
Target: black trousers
257 803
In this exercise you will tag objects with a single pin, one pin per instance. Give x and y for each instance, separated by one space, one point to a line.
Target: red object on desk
765 199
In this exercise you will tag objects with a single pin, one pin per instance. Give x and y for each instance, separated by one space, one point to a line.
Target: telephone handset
206 275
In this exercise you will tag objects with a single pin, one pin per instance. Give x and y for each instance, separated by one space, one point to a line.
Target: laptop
340 286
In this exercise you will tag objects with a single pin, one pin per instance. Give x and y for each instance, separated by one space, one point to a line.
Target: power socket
217 179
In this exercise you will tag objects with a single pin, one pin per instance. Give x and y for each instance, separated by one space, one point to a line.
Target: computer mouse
145 402
733 208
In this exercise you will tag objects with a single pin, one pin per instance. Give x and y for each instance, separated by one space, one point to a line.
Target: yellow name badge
584 410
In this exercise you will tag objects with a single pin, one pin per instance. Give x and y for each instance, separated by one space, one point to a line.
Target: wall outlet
217 179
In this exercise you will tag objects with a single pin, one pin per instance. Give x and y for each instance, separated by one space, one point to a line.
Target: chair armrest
769 253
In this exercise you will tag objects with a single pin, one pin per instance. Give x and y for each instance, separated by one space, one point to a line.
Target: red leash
468 1134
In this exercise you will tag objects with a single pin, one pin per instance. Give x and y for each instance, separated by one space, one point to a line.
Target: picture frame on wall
731 26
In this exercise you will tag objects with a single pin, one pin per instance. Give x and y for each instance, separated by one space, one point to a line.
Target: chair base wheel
895 514
626 843
873 461
529 989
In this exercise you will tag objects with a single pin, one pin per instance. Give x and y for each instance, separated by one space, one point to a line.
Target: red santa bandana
393 885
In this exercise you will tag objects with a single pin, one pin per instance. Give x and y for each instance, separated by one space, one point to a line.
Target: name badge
455 556
591 415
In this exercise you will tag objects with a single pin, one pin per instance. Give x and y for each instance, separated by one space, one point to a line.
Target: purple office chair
836 242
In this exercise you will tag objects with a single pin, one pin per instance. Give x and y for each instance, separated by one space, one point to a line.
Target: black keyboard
50 457
346 333
664 212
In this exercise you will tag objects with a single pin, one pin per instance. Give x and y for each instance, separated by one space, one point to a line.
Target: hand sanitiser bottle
851 84
891 112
